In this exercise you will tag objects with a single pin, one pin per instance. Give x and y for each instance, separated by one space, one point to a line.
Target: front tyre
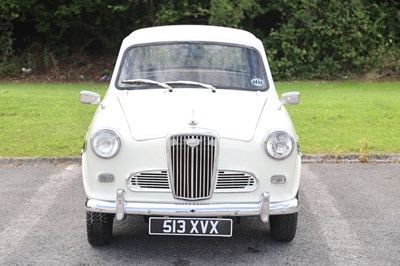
99 228
283 227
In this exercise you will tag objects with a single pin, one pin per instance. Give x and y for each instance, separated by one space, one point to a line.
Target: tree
304 39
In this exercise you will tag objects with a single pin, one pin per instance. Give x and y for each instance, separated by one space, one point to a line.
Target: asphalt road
350 216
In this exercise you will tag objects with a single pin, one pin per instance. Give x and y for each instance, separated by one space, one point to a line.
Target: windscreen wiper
148 82
188 82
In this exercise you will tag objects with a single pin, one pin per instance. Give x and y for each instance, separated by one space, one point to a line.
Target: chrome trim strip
259 208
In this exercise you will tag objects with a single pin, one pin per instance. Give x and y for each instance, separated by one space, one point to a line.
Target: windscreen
220 65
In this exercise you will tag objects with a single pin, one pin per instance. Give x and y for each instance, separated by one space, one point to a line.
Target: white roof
183 33
191 33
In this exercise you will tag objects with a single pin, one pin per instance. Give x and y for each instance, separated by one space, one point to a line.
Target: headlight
106 143
278 145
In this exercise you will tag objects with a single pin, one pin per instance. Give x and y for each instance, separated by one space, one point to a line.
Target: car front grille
158 181
235 181
192 165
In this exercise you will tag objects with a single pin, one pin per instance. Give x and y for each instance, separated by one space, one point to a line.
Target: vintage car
192 135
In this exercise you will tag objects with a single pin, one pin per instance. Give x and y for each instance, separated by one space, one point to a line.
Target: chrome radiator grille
192 163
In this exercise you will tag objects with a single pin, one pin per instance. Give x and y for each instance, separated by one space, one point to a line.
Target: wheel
283 227
99 228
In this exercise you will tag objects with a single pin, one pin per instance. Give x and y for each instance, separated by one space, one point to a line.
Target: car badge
193 143
193 122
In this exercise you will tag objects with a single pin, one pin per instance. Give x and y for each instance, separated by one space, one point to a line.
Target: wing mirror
88 97
290 97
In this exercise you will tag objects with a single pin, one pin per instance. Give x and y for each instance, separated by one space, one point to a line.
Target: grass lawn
41 120
344 117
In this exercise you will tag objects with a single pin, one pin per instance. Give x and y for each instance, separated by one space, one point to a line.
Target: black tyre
283 227
99 228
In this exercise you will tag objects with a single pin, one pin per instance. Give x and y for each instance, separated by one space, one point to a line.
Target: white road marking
34 210
342 242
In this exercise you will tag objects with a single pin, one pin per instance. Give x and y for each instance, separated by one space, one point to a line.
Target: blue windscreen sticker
257 82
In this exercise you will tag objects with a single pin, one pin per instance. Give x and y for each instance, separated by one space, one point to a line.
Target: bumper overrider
262 208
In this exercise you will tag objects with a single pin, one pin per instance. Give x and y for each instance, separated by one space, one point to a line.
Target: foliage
325 39
6 45
304 39
337 151
214 12
6 38
232 13
364 150
180 12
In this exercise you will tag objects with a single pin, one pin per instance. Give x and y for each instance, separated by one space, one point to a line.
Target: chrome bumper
262 208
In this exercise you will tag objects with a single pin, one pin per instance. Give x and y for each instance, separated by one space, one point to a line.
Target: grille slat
204 167
192 160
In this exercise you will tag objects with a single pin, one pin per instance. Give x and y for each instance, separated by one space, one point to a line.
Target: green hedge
304 39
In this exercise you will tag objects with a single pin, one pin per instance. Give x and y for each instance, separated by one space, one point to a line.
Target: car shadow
250 240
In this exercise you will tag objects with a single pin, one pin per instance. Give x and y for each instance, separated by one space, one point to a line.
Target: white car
192 135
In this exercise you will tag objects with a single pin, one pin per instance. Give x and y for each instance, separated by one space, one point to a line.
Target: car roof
182 33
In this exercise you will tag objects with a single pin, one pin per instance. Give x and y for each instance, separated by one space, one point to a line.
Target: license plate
190 226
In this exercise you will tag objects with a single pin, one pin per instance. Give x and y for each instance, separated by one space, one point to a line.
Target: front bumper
262 208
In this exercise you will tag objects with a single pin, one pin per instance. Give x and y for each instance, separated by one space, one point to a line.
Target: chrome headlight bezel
114 142
270 146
